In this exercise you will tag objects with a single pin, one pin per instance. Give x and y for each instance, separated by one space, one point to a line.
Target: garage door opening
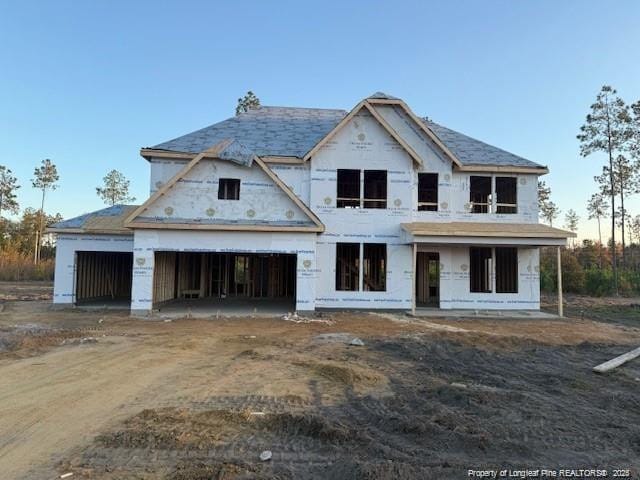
235 281
103 278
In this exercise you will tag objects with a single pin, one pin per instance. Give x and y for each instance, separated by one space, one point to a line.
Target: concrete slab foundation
226 307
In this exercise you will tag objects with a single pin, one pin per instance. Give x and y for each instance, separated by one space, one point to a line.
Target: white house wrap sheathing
189 217
194 198
66 247
149 241
455 281
364 144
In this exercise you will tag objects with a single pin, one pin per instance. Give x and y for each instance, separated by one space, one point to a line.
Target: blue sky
89 83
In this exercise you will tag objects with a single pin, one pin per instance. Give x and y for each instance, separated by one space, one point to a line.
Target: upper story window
351 195
229 189
428 192
492 194
375 189
348 189
506 195
480 194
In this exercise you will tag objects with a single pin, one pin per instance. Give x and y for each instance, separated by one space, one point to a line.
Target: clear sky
87 83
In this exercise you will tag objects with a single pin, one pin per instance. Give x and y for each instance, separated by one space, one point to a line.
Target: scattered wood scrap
616 362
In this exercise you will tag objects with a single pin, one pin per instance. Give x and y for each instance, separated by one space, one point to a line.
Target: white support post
413 277
560 305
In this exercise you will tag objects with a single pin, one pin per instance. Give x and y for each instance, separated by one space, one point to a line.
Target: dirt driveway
106 397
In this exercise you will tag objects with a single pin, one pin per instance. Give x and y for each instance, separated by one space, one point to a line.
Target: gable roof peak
382 96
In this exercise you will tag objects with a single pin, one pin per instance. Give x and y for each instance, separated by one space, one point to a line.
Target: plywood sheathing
476 229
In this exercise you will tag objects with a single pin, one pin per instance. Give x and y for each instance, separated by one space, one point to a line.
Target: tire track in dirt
63 399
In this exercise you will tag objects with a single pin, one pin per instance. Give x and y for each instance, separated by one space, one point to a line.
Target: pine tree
571 220
598 208
115 189
248 102
607 129
8 187
548 209
44 178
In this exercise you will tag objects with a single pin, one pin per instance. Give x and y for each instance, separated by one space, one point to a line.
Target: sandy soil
108 397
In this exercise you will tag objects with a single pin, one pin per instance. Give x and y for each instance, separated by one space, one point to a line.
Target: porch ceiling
534 234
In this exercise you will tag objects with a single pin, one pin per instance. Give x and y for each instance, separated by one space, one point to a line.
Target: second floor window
348 188
229 189
375 189
489 194
480 194
350 194
506 195
428 192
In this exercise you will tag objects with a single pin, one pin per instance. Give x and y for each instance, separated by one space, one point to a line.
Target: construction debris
266 455
66 475
616 362
79 341
356 342
295 318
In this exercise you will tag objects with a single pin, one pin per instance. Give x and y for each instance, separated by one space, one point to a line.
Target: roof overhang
228 227
502 169
149 153
476 233
82 231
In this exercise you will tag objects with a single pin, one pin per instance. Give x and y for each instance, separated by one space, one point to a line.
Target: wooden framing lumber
503 169
167 186
412 153
289 193
334 131
616 362
227 227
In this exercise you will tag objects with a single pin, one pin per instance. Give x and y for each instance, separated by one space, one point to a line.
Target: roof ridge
293 108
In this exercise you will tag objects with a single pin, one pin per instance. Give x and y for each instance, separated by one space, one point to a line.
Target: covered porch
471 266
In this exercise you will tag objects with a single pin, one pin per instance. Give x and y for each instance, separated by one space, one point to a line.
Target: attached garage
223 276
94 259
103 277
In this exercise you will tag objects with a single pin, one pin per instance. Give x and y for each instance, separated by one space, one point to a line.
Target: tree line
611 128
24 239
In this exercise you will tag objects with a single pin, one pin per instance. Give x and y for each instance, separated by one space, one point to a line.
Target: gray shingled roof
267 131
292 132
475 152
110 219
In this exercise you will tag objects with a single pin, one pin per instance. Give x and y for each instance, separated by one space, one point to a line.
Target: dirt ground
107 397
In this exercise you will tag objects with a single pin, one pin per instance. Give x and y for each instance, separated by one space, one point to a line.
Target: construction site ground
101 395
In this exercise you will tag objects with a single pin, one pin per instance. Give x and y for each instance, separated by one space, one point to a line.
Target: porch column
413 277
560 306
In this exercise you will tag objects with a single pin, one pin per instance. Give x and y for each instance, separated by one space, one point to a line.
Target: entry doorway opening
103 278
428 279
211 279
